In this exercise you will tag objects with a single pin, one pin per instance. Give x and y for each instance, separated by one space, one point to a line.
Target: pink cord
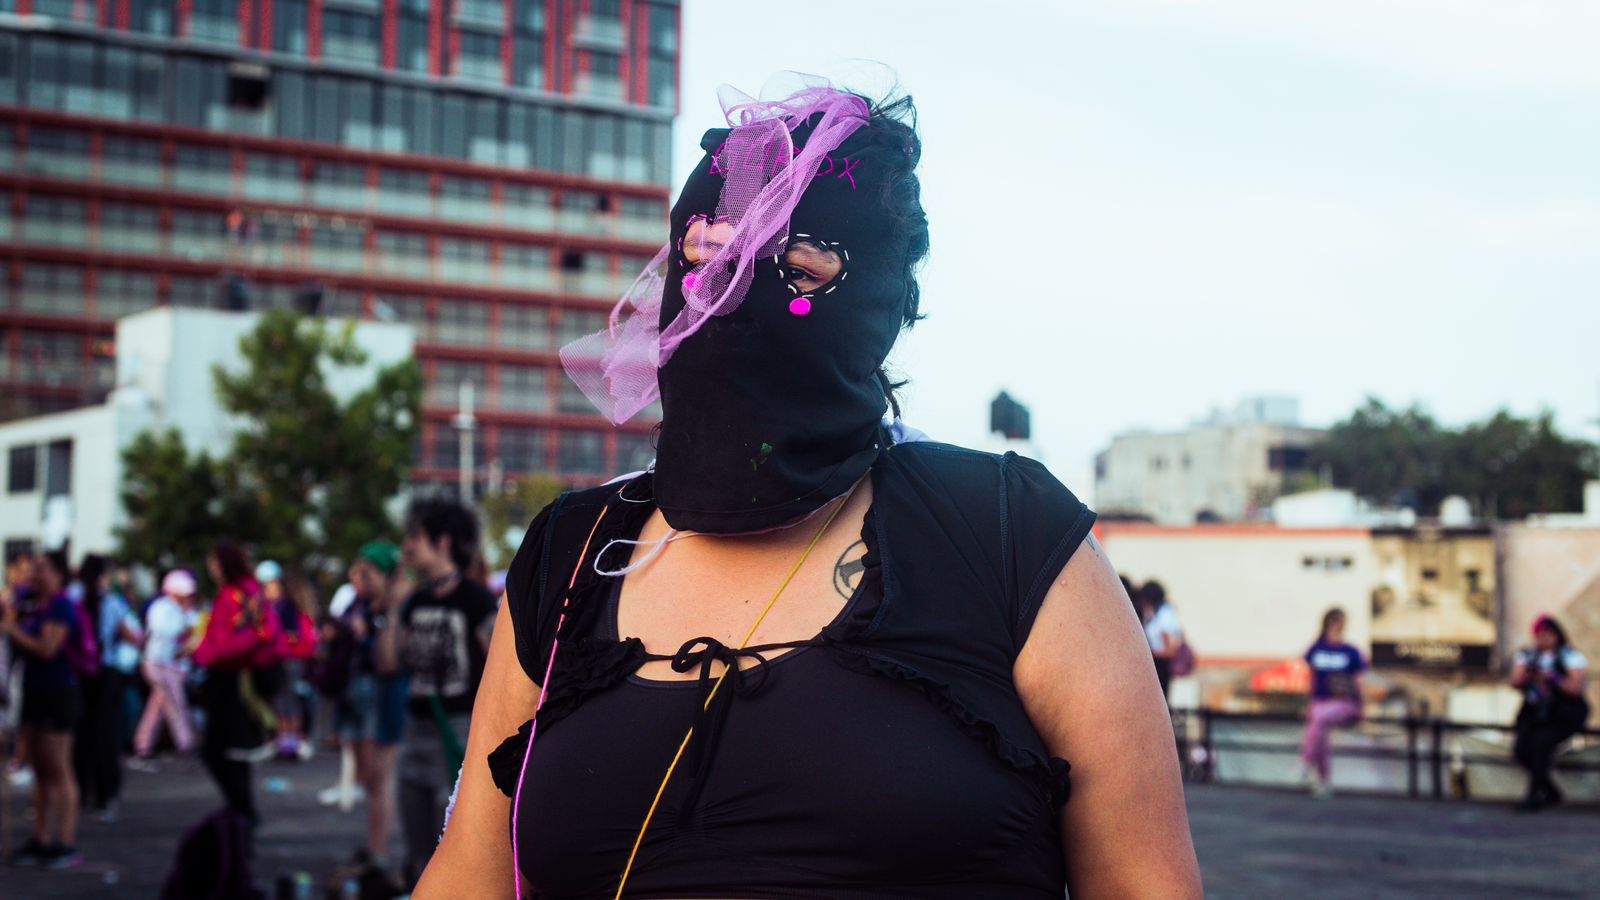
533 724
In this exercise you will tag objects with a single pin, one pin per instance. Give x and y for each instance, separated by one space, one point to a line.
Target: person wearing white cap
168 623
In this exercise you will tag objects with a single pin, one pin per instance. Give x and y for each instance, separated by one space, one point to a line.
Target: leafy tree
1509 467
1512 467
510 510
319 471
177 503
309 476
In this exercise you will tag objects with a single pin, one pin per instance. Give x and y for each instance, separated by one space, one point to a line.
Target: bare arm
476 849
386 648
51 637
1087 681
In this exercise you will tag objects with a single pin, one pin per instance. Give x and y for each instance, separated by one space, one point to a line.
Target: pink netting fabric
763 179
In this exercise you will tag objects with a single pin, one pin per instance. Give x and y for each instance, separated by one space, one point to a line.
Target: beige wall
1553 570
1245 593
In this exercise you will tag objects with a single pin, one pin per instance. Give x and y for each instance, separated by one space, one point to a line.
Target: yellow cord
717 685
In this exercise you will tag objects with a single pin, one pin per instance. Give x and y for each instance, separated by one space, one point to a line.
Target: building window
483 13
340 245
118 293
70 10
214 20
53 152
462 322
479 59
526 267
272 176
411 311
203 169
412 36
466 260
55 220
53 290
403 253
339 184
130 228
350 36
523 328
527 59
604 76
132 160
635 452
51 358
578 323
523 389
581 452
466 199
570 399
405 192
289 22
151 16
444 391
22 469
522 449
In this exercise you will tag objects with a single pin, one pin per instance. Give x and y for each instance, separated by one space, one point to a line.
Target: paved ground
1252 843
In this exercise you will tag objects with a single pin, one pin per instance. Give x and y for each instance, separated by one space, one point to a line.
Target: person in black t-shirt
440 641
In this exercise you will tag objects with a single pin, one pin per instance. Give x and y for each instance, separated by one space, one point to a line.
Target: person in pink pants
170 619
1336 669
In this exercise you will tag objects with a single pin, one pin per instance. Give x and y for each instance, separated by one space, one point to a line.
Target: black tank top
887 758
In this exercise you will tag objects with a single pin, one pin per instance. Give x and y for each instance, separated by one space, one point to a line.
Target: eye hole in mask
811 264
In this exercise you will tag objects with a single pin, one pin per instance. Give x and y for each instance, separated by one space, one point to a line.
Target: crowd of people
238 663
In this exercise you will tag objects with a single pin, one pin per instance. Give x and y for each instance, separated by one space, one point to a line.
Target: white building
63 471
1229 467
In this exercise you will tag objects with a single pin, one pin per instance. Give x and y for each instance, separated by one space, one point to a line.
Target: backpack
1183 660
83 647
213 861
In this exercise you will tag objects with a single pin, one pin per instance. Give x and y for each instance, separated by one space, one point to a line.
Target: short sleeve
1042 524
525 591
1574 659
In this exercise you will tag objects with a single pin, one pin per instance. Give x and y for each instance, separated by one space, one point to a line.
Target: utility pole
465 424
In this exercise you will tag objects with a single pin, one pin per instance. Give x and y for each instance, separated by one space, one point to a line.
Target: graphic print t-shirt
1334 668
442 651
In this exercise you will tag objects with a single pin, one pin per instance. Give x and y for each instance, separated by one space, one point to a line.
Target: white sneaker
1321 791
21 777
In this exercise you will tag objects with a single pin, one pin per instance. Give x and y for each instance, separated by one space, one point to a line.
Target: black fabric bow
712 713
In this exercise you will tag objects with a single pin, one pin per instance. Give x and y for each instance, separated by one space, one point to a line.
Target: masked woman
805 655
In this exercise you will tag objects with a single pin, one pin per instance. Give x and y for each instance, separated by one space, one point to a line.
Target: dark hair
1555 627
57 560
232 560
17 555
1154 594
1328 619
89 573
892 124
437 517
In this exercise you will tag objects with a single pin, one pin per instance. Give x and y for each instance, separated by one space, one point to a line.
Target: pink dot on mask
800 306
691 282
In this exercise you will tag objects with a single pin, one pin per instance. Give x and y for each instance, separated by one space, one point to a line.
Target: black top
442 652
887 757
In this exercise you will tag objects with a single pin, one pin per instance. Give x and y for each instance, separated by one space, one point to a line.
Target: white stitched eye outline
810 265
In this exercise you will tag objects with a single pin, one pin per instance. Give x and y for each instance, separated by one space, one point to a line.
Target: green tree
318 472
1387 456
176 503
1511 467
1507 466
510 511
309 475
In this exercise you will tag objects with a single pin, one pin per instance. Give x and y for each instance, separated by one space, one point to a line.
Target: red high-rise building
493 172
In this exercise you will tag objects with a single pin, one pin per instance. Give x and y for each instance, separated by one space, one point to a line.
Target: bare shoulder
1087 681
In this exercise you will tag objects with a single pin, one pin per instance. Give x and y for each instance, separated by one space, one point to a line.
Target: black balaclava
769 414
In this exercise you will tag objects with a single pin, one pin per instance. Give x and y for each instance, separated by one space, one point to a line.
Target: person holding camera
1551 676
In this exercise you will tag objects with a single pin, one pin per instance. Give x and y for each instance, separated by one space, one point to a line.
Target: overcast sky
1142 209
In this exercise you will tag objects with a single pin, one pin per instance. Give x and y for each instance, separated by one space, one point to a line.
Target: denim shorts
374 709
